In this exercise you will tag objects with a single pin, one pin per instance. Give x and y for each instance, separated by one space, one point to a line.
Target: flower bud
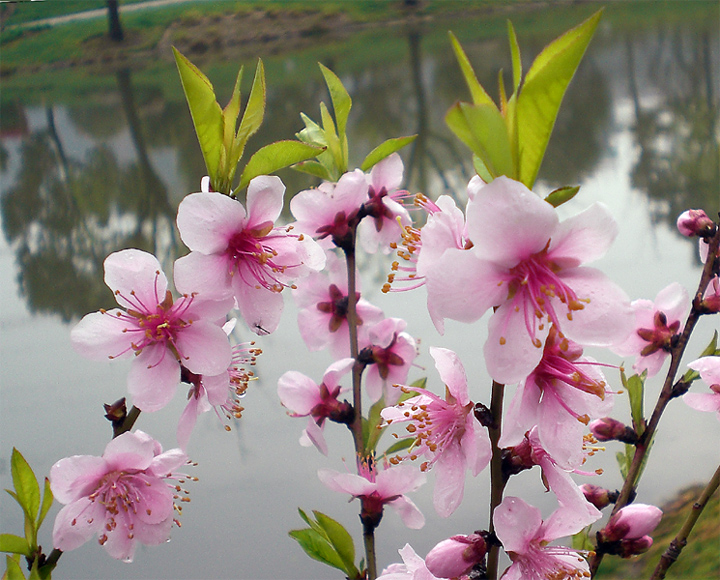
609 429
635 546
710 304
598 496
695 222
456 555
631 522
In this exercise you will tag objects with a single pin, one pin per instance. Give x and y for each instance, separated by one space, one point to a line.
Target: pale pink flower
220 392
390 355
656 323
528 264
323 305
303 397
377 489
384 206
709 369
526 539
561 396
412 568
122 497
329 212
446 432
161 333
242 254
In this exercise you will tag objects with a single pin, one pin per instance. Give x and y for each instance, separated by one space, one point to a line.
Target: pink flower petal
516 524
73 477
449 481
584 237
204 348
452 373
102 335
388 173
208 275
265 195
298 392
76 523
409 513
153 378
135 277
207 221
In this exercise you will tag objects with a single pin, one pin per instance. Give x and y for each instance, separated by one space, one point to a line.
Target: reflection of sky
252 479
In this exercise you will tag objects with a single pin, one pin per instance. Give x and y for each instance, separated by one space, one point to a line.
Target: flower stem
643 445
680 541
497 480
371 563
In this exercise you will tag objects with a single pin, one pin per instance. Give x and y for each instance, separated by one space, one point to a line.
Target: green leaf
635 386
479 96
371 426
206 114
231 113
400 445
254 112
13 571
712 348
481 169
559 196
46 503
274 156
341 541
338 167
14 544
482 128
542 92
318 547
623 462
581 540
313 168
341 103
515 54
385 149
26 485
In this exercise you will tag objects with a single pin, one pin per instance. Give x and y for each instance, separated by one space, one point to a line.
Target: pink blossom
561 395
526 539
323 304
390 354
631 522
220 392
242 254
529 265
709 369
656 323
383 205
329 212
446 432
161 333
304 398
412 568
377 489
122 497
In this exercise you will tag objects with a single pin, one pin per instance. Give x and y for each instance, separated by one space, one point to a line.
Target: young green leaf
276 156
14 544
254 112
26 485
231 112
341 102
318 547
47 502
542 92
515 54
635 386
13 571
384 150
479 96
314 168
400 445
341 541
559 196
206 113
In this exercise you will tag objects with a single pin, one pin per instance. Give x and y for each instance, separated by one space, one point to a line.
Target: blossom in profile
709 369
375 489
390 355
527 540
242 253
126 496
656 324
383 206
529 265
412 568
161 333
303 397
322 301
446 432
561 396
219 392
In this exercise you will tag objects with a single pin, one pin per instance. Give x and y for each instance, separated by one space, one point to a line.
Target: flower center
251 257
337 307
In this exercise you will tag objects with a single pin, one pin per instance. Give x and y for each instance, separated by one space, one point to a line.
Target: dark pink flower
163 334
242 254
122 497
528 265
446 432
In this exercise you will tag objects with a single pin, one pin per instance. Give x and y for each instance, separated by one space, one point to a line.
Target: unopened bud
635 546
609 429
598 496
695 222
116 412
456 555
631 522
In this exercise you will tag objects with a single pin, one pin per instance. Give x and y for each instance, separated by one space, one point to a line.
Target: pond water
89 170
